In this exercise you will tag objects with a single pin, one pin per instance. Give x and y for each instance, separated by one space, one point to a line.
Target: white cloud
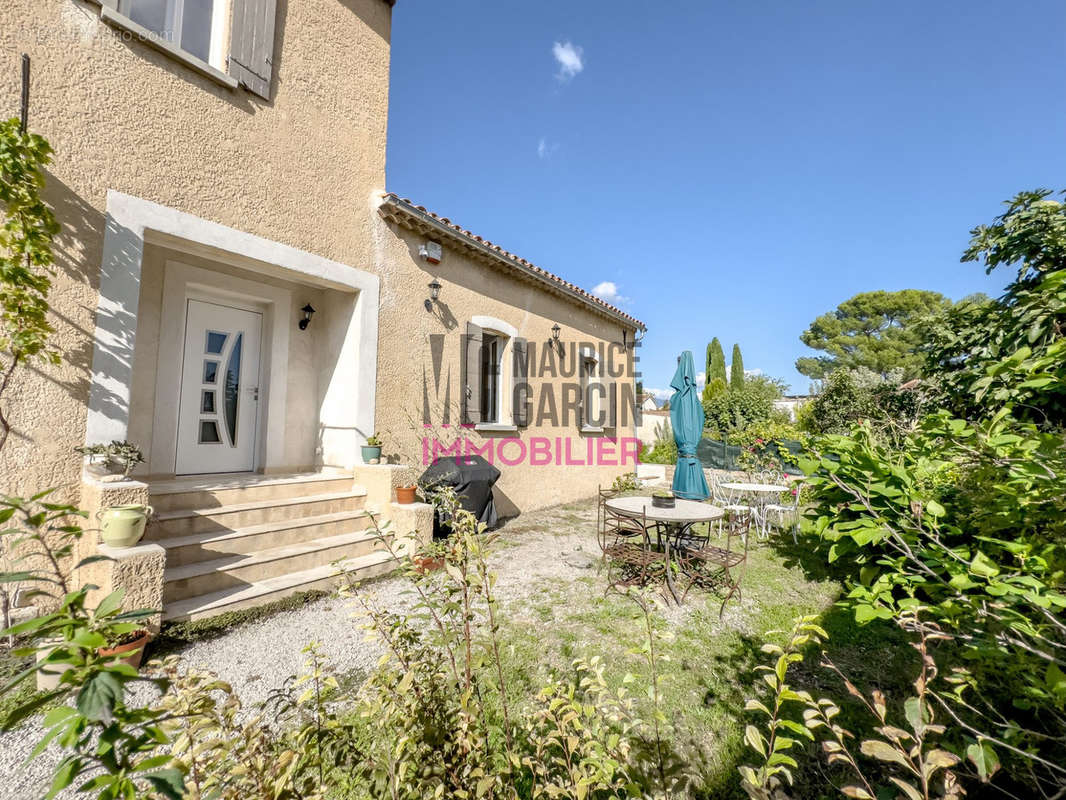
570 59
608 290
546 149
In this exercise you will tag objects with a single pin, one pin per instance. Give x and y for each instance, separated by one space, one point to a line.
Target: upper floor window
196 26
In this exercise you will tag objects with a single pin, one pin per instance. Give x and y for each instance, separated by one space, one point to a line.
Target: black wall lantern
554 341
434 293
309 312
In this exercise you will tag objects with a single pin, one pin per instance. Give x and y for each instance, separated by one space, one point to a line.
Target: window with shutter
251 52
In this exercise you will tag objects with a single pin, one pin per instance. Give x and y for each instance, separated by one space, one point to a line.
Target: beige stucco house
239 296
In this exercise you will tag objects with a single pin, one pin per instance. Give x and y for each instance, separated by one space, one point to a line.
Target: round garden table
763 493
678 519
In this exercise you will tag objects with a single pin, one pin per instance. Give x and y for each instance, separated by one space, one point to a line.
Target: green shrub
736 409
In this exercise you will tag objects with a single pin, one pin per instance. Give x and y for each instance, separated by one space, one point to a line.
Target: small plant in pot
429 558
128 647
662 499
406 493
117 458
372 450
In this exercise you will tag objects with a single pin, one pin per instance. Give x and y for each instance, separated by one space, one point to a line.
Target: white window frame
505 334
175 13
593 377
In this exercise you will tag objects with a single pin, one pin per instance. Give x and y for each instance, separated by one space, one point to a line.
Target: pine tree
736 370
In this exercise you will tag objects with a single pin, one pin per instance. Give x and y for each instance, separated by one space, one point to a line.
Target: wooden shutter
521 397
611 388
471 374
251 50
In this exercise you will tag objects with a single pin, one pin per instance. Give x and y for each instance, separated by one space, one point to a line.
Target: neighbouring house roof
417 218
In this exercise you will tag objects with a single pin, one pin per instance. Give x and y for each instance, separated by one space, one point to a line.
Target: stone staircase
238 541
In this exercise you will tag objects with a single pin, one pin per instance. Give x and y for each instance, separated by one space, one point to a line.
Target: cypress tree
715 361
736 370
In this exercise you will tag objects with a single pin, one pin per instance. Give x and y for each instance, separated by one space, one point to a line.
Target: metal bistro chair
627 549
716 567
790 512
602 496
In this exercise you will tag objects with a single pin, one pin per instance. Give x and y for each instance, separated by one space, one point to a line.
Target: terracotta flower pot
426 564
405 494
134 658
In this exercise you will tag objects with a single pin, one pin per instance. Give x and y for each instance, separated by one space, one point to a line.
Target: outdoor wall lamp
309 312
434 293
555 332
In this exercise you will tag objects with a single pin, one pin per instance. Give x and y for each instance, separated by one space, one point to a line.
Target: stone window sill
495 427
124 23
591 429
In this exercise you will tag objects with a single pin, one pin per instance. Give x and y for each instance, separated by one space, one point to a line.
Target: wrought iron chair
716 567
627 550
603 495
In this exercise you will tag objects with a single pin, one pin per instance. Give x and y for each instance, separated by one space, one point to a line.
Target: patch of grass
10 666
711 671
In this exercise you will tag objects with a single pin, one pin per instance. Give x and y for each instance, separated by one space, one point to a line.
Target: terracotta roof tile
584 295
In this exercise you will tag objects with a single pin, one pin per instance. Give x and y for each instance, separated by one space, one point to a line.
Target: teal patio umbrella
686 416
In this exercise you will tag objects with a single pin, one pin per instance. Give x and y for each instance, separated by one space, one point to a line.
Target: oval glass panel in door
233 388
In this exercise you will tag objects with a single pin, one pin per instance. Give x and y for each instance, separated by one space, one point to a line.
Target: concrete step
196 547
213 491
244 515
237 571
270 589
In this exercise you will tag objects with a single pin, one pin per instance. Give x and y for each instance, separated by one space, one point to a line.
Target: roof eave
404 211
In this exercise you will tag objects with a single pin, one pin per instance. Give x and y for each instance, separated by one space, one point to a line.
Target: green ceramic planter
371 455
123 526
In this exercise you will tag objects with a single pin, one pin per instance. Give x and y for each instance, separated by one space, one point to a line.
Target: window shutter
522 395
611 387
251 51
471 373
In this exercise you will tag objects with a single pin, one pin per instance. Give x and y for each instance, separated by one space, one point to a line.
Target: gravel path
555 544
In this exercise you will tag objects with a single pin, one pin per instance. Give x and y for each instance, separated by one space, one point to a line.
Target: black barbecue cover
472 477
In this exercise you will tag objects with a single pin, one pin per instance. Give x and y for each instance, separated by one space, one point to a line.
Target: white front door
219 406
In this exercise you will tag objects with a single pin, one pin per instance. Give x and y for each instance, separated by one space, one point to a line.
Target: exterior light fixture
309 312
555 332
434 294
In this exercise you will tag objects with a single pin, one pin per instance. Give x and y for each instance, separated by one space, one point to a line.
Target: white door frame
348 406
182 282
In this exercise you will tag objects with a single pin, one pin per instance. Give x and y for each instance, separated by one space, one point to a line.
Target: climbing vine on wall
29 227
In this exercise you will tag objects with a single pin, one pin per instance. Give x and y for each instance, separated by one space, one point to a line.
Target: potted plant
405 495
662 499
129 647
123 526
117 458
372 450
429 558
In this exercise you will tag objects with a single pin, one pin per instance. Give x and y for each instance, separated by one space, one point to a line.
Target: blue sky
733 169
